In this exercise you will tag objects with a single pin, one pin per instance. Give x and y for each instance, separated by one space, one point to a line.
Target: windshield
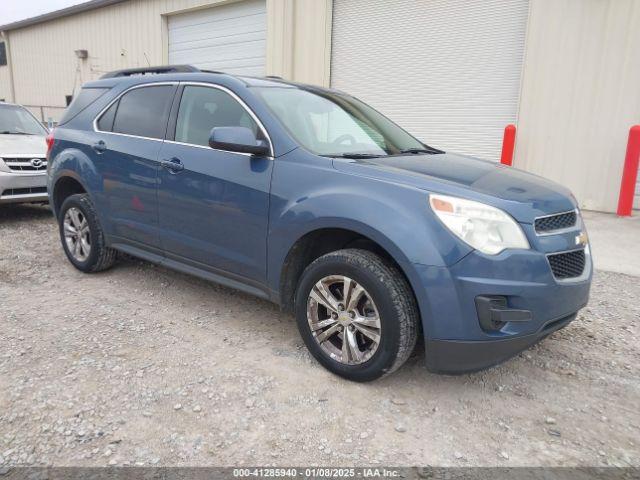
331 124
17 120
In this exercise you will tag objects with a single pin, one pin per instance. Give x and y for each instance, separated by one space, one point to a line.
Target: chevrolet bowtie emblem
582 239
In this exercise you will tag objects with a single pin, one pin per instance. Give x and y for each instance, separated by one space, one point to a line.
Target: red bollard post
629 173
508 144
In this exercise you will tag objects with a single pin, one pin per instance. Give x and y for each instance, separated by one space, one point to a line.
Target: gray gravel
144 366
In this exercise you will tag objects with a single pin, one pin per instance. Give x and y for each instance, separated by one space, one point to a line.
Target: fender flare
407 268
67 165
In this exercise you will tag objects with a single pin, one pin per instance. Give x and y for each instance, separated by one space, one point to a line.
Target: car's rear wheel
82 236
356 314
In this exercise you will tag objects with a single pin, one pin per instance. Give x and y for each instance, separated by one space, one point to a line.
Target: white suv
23 163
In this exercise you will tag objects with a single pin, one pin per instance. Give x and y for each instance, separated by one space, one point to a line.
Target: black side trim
177 263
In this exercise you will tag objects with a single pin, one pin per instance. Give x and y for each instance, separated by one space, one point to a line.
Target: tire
391 298
100 257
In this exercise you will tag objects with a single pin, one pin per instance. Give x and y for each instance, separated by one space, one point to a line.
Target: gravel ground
144 366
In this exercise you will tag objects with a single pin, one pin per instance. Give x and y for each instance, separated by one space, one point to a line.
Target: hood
22 145
522 194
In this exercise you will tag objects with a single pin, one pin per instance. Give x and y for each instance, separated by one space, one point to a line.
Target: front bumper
455 340
23 188
459 356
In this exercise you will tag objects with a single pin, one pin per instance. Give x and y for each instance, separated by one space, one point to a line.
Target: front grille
26 164
24 191
568 264
555 222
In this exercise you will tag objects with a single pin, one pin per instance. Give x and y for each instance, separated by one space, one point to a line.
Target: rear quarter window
105 122
85 98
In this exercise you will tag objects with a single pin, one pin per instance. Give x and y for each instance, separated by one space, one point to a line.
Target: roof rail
128 72
212 71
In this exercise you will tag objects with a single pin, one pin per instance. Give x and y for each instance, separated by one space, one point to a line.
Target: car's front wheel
356 314
82 236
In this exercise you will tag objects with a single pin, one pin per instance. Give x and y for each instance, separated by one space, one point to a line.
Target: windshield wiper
7 132
355 155
430 150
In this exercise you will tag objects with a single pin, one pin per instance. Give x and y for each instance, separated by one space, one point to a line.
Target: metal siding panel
135 33
580 95
124 35
447 71
6 76
5 90
118 36
231 38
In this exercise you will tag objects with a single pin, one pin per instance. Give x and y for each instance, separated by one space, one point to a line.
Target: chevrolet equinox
310 198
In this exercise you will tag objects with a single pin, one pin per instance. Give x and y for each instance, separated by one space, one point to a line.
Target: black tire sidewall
78 201
384 358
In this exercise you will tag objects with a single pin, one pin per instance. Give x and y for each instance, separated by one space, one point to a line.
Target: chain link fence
47 114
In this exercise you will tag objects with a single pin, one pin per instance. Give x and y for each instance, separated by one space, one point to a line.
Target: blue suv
310 198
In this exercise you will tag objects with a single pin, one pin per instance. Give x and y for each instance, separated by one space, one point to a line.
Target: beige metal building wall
5 75
45 68
580 94
134 33
4 83
299 40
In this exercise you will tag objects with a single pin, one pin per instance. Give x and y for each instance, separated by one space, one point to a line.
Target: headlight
483 227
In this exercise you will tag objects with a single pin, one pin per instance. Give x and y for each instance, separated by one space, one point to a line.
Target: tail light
50 140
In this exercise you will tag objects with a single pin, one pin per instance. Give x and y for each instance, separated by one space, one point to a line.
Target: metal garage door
230 38
446 70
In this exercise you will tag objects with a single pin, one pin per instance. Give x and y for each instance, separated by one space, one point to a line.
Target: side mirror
237 139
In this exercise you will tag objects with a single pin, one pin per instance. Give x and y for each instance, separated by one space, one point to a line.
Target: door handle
174 165
99 146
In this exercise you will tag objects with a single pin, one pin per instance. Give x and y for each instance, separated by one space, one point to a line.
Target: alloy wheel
344 319
77 235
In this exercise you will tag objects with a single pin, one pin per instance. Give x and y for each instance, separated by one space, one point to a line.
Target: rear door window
143 112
